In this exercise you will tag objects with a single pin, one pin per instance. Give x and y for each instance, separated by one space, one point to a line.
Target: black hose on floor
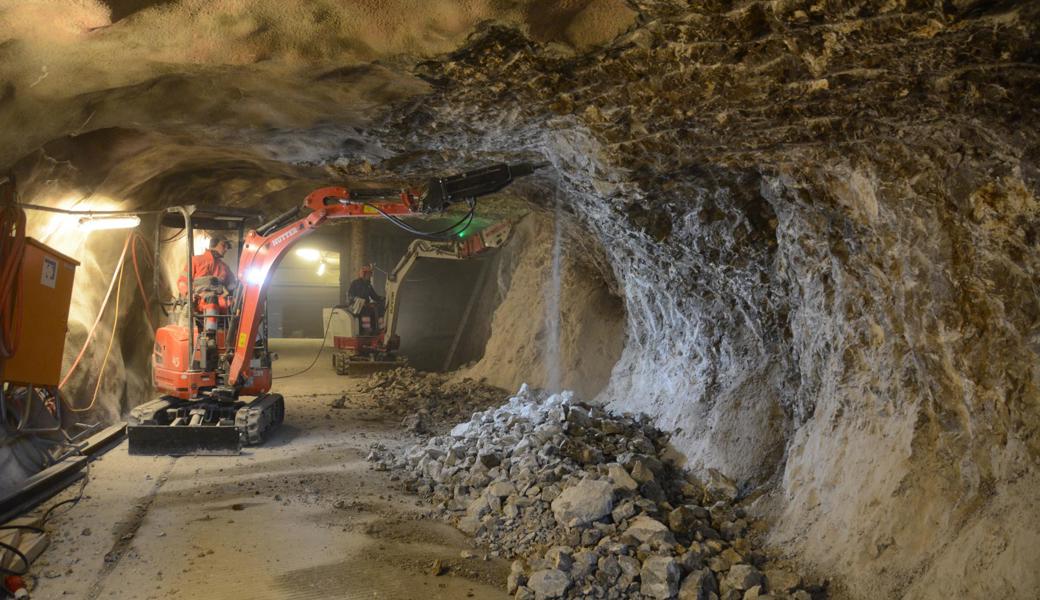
324 337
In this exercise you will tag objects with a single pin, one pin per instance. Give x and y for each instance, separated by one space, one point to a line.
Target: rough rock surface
823 218
591 331
545 500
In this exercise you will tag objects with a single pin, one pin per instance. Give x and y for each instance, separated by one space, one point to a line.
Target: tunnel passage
801 238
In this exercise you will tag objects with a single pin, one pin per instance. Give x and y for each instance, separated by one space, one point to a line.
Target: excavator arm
265 246
490 237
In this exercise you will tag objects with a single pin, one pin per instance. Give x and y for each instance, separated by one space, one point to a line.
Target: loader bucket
184 440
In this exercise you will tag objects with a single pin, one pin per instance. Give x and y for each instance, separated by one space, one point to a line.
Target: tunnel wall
522 347
828 258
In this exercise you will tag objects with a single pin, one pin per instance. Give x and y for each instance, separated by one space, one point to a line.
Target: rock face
823 220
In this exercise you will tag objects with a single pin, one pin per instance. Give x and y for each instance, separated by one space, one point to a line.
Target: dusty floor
302 517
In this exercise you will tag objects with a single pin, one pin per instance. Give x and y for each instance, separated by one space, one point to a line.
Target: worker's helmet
219 239
365 271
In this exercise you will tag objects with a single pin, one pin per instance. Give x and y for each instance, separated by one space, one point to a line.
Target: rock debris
426 402
592 505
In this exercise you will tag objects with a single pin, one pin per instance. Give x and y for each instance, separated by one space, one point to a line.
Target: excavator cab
186 360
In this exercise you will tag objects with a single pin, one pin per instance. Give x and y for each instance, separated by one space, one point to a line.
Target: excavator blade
352 365
184 441
166 426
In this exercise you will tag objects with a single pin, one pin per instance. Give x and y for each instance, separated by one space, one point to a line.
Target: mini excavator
374 347
214 366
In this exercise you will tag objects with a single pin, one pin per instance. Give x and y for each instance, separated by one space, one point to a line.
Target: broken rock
660 577
698 585
584 503
742 577
548 583
650 531
780 580
622 480
517 478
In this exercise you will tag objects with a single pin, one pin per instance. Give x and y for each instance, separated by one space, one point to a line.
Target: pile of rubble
429 401
592 505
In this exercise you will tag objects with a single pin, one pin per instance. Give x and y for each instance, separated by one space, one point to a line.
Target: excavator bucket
219 440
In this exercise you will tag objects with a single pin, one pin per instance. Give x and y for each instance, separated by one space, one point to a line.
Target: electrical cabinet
47 277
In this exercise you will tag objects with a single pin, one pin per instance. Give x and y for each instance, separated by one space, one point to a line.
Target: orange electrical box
46 292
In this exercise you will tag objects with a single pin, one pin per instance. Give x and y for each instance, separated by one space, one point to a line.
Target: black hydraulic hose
21 556
280 220
447 233
324 337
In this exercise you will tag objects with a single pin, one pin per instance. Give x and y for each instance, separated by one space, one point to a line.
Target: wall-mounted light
309 254
97 223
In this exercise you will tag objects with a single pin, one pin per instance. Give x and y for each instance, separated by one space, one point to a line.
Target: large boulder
660 577
584 503
650 531
548 583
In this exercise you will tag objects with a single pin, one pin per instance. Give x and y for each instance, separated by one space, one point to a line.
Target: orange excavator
214 366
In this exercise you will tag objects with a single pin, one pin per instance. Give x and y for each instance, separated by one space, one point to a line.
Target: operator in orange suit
210 266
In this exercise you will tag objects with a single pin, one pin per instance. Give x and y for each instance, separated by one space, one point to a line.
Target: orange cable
140 285
101 312
12 248
111 342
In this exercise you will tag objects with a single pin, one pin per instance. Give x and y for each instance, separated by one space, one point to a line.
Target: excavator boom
266 246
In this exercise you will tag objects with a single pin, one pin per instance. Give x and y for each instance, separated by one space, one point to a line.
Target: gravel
591 505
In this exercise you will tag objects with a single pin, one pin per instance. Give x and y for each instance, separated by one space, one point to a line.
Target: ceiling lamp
308 254
97 223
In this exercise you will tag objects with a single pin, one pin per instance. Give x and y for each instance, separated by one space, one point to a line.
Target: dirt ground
303 516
